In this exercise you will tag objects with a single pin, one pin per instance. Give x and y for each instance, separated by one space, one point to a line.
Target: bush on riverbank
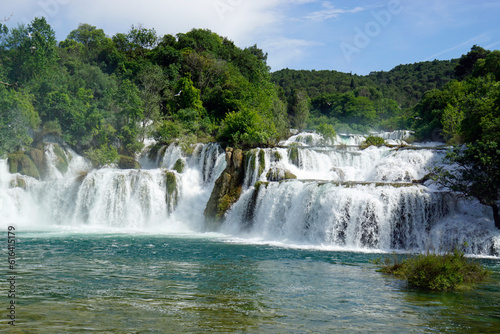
447 272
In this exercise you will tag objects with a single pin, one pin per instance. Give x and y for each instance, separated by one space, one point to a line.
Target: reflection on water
160 284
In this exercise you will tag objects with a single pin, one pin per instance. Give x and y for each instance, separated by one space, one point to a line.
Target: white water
343 197
313 139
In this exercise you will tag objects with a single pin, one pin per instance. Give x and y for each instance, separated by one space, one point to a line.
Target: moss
293 155
228 187
260 184
171 182
38 158
180 165
227 201
62 163
277 156
18 182
125 162
20 163
251 155
278 174
262 161
172 195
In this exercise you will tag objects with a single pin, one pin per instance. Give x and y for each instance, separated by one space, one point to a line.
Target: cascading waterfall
353 216
358 199
304 192
111 198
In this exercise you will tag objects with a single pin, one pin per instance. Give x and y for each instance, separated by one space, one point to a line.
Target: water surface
147 283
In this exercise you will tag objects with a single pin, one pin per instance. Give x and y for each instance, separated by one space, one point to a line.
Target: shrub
326 131
101 156
450 271
373 140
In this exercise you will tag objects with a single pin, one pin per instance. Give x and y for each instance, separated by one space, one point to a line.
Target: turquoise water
126 283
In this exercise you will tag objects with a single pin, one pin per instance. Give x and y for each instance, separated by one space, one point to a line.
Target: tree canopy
109 93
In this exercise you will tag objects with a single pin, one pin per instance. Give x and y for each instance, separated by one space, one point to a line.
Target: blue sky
348 36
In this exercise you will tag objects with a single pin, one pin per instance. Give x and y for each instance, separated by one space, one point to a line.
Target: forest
104 96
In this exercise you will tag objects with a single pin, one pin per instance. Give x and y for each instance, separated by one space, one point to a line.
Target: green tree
152 84
186 95
34 50
129 113
90 37
477 174
300 109
326 131
17 118
468 61
246 127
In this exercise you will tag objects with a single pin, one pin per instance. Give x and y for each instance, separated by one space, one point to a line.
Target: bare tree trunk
7 84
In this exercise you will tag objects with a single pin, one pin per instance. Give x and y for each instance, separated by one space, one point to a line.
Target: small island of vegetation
451 271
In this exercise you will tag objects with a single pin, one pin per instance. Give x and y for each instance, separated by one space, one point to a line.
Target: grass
451 271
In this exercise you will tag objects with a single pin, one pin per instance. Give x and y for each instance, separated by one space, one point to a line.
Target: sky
344 35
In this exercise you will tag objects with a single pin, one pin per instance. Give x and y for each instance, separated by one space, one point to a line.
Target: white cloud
240 20
329 11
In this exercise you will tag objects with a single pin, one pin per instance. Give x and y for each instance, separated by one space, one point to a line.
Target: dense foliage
477 173
104 95
357 103
108 94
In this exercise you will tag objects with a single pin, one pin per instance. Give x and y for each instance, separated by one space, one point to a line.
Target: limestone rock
128 163
227 188
22 164
172 193
180 165
277 174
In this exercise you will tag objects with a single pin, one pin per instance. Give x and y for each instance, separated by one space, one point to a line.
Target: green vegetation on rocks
62 162
180 165
373 141
446 272
21 163
227 188
172 193
293 155
277 174
38 157
128 163
262 161
18 182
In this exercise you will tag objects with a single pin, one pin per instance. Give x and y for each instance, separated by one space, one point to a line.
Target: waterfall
354 216
357 199
313 139
155 198
305 192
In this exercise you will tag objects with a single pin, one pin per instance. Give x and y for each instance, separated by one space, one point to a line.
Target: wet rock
128 163
227 189
276 174
21 163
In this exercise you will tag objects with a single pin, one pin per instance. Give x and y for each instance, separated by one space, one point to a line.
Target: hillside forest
105 95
